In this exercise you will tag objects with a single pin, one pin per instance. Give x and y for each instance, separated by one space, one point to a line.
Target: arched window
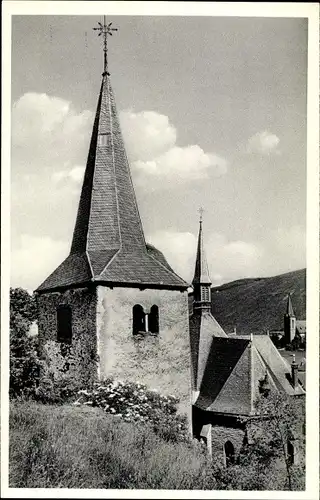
290 450
153 319
138 319
64 324
229 453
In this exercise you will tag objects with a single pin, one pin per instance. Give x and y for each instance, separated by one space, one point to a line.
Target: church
115 307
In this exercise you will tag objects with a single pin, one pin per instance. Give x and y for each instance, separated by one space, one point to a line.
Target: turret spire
201 280
290 311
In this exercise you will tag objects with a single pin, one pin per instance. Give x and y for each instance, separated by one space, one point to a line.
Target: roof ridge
168 270
113 162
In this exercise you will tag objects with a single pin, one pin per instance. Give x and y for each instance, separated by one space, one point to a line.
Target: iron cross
105 30
201 210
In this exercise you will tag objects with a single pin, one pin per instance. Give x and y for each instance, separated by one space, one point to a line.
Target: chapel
229 372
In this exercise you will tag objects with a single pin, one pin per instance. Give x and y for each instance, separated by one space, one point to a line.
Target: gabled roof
108 243
202 328
234 369
201 272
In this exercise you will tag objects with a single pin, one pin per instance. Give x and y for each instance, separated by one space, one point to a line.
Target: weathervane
105 30
201 210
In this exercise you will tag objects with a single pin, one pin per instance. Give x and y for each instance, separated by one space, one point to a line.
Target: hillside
257 304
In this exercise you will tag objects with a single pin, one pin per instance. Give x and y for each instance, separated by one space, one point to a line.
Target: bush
134 402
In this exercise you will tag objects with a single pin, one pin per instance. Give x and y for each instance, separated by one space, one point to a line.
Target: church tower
289 322
114 307
202 325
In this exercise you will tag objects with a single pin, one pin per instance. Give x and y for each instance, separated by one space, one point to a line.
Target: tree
273 456
24 361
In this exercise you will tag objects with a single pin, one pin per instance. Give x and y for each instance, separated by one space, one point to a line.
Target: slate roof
233 372
108 244
202 328
201 272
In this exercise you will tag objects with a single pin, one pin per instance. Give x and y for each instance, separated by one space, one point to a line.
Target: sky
213 114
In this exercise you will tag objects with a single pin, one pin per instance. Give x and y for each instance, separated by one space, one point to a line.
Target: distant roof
301 326
233 372
108 243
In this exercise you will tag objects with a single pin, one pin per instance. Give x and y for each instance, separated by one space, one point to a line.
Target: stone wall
220 435
160 361
78 360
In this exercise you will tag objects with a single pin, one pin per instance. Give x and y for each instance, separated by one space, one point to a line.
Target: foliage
55 391
265 463
25 364
22 305
82 447
135 403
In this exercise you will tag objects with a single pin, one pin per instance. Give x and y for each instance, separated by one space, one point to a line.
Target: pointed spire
108 244
201 272
290 311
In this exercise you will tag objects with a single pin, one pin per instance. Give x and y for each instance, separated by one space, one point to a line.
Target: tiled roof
108 241
234 369
202 328
225 386
201 272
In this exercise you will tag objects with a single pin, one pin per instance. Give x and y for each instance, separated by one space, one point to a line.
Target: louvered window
103 139
205 294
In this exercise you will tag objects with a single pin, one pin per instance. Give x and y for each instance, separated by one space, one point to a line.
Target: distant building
294 330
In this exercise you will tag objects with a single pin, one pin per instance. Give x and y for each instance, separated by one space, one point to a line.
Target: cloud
147 134
284 250
34 258
264 143
151 145
227 260
48 133
74 175
188 163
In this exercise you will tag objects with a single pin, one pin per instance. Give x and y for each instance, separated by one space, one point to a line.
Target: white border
254 9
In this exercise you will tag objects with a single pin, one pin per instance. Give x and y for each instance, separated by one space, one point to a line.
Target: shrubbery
134 402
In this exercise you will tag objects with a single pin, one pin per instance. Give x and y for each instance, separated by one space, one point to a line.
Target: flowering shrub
134 402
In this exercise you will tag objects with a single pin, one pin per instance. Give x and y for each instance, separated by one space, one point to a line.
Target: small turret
201 281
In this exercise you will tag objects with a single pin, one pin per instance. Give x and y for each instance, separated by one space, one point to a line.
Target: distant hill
257 304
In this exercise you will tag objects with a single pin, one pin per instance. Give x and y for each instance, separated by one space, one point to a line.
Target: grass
71 447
